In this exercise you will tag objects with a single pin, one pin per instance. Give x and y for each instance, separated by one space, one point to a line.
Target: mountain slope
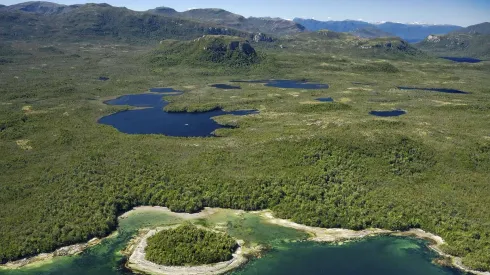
473 41
41 7
102 21
370 32
276 26
483 28
408 32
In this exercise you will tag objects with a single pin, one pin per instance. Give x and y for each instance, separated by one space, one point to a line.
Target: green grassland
65 178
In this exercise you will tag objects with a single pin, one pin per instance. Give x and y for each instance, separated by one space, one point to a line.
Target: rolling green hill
345 43
473 41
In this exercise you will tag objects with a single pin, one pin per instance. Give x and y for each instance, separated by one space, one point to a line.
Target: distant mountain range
269 25
51 21
408 32
473 41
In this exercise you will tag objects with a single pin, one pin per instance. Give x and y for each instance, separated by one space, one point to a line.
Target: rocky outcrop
260 37
433 38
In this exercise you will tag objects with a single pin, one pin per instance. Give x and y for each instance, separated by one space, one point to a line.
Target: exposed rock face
433 38
260 37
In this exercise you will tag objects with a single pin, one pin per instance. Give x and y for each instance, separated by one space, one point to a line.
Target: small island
185 249
188 245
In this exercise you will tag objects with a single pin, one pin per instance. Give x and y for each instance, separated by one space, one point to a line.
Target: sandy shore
137 261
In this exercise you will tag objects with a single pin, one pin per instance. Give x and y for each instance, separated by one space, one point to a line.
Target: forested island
189 245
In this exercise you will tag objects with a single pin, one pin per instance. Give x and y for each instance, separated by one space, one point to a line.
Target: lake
440 90
388 113
154 120
287 84
462 59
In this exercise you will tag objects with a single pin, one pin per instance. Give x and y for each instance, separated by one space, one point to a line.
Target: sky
457 12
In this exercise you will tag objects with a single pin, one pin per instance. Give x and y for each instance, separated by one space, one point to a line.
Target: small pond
441 90
287 84
225 87
388 113
165 90
363 83
325 99
154 120
103 78
462 59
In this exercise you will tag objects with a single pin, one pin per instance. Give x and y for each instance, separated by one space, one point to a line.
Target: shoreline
45 258
318 234
339 235
137 262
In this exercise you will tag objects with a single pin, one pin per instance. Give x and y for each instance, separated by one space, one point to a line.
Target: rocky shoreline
340 235
47 257
317 234
137 261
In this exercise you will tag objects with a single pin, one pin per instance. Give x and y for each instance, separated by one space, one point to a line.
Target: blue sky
459 12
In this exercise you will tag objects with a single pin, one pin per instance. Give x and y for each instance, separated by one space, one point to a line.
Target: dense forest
189 245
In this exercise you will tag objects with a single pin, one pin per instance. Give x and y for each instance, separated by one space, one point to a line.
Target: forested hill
473 41
101 21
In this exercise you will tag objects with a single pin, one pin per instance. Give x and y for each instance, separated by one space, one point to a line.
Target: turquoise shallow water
380 255
374 256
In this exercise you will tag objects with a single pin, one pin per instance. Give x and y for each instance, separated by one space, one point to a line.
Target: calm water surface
225 87
440 90
154 120
462 59
325 99
376 256
387 113
287 84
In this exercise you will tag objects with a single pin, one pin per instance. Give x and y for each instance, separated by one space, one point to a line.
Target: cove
154 120
287 84
325 99
388 113
288 254
441 90
462 59
373 256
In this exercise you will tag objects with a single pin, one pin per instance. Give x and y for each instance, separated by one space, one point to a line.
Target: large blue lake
154 120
